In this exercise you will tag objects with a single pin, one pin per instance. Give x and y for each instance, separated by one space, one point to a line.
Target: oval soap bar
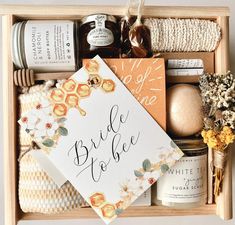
184 110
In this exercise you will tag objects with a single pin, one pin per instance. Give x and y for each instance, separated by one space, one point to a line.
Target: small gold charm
108 85
92 67
60 109
83 90
57 95
72 100
69 85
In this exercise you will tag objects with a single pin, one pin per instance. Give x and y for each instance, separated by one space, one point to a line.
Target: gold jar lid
93 17
190 144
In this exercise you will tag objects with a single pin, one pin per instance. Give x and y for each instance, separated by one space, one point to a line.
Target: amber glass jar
99 34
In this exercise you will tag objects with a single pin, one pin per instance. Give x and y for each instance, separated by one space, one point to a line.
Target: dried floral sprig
218 140
218 98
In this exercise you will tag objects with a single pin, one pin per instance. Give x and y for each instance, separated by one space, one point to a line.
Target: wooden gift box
218 62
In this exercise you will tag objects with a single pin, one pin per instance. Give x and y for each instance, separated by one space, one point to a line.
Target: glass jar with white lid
185 184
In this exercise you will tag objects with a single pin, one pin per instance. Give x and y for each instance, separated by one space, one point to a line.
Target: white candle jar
185 184
45 45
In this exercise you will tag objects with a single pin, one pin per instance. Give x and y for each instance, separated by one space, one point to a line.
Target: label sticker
100 35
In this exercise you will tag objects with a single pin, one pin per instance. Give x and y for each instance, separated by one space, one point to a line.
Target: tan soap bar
184 110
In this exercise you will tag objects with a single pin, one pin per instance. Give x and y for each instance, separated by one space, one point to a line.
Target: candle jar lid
191 146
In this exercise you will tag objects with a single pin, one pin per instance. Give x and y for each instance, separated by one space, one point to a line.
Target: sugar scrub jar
185 184
184 110
99 34
45 45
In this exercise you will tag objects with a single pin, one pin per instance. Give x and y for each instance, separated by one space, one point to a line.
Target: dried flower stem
218 97
219 175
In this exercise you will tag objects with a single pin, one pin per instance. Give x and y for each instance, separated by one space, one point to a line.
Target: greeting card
145 79
101 139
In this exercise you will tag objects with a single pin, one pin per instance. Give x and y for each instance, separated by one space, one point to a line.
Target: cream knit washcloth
183 35
37 191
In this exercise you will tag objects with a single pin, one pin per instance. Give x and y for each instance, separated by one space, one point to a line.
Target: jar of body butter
45 45
185 184
99 34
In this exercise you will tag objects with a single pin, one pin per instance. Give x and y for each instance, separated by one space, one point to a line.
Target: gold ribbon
219 159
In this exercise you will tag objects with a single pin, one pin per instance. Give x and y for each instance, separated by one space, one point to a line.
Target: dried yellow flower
218 140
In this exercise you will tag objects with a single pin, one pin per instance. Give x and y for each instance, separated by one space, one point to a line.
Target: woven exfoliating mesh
37 191
183 35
